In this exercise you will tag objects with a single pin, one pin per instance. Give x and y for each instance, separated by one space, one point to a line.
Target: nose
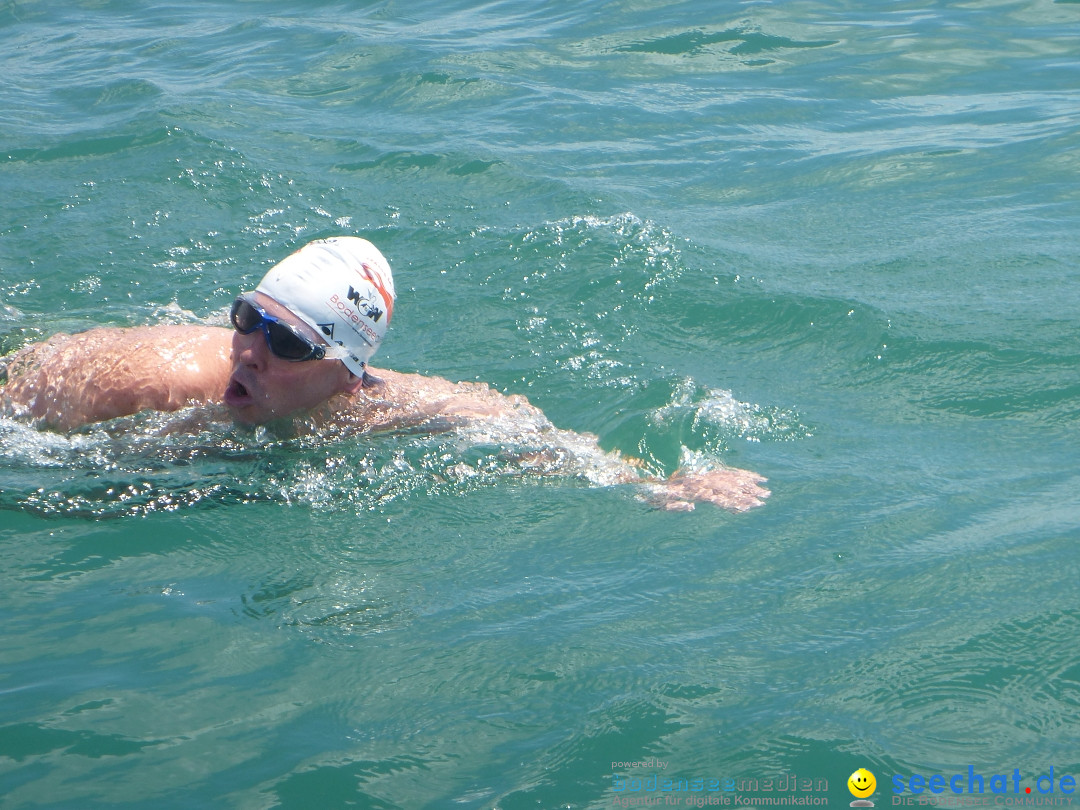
251 349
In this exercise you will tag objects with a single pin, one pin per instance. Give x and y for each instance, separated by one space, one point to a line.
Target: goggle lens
282 340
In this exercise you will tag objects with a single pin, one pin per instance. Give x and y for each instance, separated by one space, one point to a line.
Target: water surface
832 243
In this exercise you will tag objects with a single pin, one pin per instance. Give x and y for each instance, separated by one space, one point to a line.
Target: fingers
733 472
738 492
732 489
679 506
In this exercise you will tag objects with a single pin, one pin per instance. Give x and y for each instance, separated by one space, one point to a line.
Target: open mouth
237 394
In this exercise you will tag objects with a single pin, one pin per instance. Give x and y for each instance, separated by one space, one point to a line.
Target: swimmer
297 355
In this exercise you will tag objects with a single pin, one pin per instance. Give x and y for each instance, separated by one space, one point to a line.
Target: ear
352 384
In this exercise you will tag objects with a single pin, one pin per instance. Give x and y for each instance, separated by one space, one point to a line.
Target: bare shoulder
393 399
69 380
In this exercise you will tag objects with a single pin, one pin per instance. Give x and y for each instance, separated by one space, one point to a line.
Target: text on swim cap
344 309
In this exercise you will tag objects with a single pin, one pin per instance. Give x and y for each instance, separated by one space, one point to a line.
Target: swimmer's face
264 387
861 783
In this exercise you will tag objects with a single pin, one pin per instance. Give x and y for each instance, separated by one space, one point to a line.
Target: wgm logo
364 305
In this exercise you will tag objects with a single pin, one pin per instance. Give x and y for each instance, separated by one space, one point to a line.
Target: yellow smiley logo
861 783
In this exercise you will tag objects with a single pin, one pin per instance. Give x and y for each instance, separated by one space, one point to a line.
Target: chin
244 415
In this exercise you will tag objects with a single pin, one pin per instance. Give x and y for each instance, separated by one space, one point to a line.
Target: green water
836 244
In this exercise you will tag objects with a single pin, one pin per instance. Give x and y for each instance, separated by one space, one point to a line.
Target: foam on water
716 417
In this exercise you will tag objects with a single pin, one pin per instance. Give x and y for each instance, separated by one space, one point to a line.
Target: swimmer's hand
730 488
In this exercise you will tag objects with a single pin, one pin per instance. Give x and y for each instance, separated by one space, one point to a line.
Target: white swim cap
341 287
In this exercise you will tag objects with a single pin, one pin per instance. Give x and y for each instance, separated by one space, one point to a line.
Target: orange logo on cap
376 279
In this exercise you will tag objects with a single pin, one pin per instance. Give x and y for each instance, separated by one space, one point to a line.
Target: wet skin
263 387
73 380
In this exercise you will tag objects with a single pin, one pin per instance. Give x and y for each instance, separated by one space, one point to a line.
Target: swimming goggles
283 340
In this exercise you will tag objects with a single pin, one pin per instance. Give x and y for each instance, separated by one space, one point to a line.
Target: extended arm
484 416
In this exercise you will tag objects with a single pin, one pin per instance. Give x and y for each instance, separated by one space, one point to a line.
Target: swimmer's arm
472 404
729 487
74 380
70 381
398 401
